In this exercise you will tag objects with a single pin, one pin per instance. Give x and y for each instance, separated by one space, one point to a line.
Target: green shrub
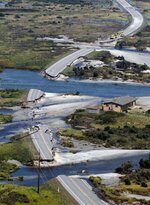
143 184
5 118
127 181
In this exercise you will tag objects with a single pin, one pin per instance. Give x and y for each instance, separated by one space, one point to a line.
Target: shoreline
98 155
99 80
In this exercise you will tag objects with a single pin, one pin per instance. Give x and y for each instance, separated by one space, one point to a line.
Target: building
119 104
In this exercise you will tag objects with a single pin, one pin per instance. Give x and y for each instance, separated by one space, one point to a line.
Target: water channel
21 79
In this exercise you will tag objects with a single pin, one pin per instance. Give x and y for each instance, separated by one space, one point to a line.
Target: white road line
70 191
35 141
75 183
41 133
88 186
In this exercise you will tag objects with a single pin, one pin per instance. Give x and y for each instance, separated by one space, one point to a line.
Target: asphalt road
34 94
59 66
43 142
137 18
81 190
137 21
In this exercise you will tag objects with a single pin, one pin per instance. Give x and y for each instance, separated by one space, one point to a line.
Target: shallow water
6 111
95 167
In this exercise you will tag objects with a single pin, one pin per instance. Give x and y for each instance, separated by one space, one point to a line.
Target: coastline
99 80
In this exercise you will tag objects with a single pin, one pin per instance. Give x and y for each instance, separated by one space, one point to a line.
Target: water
93 167
3 4
6 111
21 79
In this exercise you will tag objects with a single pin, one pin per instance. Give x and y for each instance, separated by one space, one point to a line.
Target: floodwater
23 79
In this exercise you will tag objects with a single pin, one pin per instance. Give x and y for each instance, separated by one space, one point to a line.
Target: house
119 104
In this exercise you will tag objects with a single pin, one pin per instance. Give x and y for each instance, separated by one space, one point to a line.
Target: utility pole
38 182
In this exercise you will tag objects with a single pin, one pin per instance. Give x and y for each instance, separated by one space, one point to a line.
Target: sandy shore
99 80
95 155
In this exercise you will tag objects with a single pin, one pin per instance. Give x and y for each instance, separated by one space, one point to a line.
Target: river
23 79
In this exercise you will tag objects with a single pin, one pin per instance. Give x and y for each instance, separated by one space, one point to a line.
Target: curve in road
137 20
55 69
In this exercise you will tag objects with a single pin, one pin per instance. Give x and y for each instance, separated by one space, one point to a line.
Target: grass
136 189
115 193
110 129
10 98
143 35
20 27
71 133
18 145
12 194
131 119
68 71
6 169
21 144
112 67
67 143
5 118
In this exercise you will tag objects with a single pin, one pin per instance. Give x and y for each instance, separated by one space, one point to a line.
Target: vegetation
5 118
12 194
67 143
132 181
142 39
111 68
24 24
126 130
1 69
20 144
6 169
9 98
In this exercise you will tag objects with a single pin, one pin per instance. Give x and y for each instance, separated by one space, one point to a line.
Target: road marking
75 183
41 133
88 185
70 191
35 141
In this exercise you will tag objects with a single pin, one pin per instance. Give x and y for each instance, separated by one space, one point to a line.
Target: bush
109 117
125 168
143 184
147 126
106 128
95 180
127 181
14 197
148 112
5 118
145 163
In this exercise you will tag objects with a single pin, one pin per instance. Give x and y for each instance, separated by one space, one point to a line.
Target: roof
121 100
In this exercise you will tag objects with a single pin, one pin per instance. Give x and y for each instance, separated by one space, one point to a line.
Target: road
43 142
49 113
81 190
34 95
137 20
59 66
